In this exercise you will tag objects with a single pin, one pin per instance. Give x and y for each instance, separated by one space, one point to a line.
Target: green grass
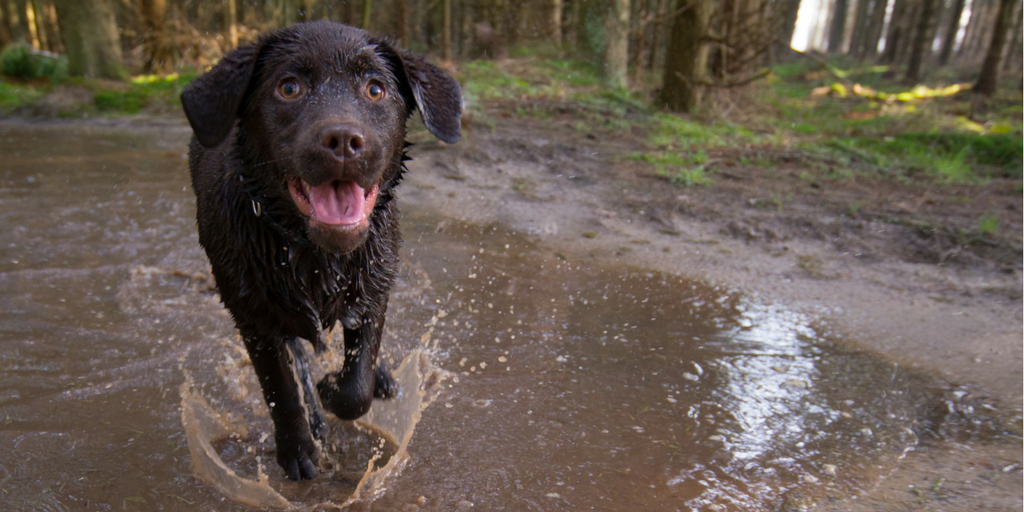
143 92
155 93
12 95
906 138
952 157
683 169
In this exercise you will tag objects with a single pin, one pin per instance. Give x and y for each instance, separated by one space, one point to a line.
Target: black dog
299 145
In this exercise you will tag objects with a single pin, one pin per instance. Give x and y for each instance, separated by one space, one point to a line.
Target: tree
989 78
921 41
617 52
91 38
686 60
838 29
159 53
949 38
556 23
446 30
792 8
231 22
861 21
605 38
899 28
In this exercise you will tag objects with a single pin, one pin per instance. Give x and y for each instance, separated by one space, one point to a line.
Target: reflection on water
575 386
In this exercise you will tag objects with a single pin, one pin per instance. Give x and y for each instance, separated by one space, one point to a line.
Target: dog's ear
433 91
211 102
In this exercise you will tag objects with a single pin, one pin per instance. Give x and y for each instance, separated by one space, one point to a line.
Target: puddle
572 386
222 450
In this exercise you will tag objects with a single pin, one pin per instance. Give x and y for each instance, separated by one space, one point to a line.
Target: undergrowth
888 131
809 113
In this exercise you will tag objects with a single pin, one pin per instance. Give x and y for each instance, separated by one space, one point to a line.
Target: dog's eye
374 91
289 89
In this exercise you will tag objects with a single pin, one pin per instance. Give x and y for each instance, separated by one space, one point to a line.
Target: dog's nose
344 141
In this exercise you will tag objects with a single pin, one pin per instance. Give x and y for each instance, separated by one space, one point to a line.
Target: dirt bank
886 266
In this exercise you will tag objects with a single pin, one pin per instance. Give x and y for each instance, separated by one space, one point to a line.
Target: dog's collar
261 209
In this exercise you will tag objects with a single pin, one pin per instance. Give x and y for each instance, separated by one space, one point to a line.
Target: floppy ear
211 101
434 92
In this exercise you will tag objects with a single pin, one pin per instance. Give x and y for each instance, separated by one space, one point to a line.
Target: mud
606 351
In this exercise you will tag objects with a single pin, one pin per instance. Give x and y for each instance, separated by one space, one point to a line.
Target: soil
900 270
897 269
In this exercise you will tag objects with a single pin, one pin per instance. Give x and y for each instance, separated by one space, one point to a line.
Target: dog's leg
274 364
384 385
348 393
309 396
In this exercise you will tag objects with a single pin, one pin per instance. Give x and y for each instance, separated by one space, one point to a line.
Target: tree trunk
658 39
1013 60
308 6
403 23
446 30
976 9
837 30
897 30
861 21
616 57
33 29
16 14
921 47
498 48
952 27
875 28
792 7
686 59
231 22
556 23
159 56
364 22
977 28
989 78
578 27
5 23
638 38
91 38
49 15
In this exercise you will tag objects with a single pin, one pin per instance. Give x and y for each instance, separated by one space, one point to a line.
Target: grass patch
142 93
147 91
947 157
13 95
685 170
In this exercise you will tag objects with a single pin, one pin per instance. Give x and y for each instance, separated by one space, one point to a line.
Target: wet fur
280 278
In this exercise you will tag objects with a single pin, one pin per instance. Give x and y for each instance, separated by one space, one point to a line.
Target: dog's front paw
298 457
384 385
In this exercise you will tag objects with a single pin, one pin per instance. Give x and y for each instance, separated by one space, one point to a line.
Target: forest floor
863 273
897 224
893 256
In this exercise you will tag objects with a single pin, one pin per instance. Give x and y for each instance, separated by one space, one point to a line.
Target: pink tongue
338 202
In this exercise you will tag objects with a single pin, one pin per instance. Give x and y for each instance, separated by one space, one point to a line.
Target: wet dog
298 149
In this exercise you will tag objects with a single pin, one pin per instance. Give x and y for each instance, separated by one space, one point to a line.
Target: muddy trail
579 343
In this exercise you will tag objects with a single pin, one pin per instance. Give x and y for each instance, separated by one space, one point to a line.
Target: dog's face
321 111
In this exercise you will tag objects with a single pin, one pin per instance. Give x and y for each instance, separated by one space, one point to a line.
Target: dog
298 149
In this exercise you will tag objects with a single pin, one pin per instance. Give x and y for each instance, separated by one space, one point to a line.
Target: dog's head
321 110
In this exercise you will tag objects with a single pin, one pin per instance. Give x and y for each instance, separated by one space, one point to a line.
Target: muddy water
571 386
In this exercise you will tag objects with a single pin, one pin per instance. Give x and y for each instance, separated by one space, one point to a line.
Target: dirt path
855 254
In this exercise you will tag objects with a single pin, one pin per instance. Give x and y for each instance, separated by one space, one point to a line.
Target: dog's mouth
335 204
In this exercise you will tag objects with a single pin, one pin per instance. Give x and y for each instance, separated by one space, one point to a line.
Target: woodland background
675 50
